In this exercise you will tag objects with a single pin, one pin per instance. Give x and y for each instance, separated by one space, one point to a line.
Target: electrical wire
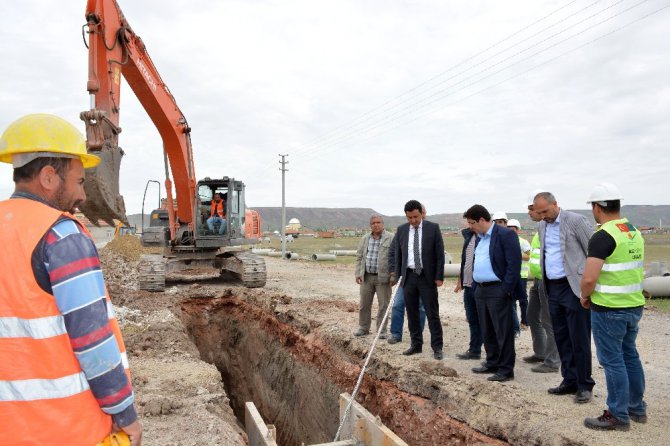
444 92
514 76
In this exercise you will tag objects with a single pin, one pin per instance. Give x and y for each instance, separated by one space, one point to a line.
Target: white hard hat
513 222
604 192
531 198
499 215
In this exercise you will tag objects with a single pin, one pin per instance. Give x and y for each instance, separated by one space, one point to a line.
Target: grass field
657 246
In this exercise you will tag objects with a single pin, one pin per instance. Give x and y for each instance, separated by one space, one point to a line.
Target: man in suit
419 260
564 240
497 272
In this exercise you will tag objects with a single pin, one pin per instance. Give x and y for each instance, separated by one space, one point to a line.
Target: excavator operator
63 367
217 216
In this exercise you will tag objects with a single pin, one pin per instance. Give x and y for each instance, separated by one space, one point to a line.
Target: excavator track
248 267
151 269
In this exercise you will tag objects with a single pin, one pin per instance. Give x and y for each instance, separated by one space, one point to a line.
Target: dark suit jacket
505 253
432 252
467 234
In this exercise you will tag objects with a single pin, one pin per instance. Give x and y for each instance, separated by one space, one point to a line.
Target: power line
437 76
516 75
444 93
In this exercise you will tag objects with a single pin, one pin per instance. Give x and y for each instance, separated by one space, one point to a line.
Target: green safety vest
534 262
620 282
524 263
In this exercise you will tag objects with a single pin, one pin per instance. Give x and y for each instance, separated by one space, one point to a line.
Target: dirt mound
129 247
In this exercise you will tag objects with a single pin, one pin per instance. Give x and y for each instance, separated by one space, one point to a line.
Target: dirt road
299 328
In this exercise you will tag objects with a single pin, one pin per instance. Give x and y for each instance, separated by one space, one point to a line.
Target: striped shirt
66 264
372 257
469 258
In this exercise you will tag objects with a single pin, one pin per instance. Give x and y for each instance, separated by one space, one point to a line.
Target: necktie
417 253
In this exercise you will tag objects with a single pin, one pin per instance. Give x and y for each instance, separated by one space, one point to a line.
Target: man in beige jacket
372 274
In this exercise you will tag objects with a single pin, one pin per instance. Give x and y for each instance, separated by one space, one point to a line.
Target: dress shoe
469 355
532 359
544 368
606 422
437 354
500 378
392 340
484 369
583 396
638 418
413 350
563 390
361 332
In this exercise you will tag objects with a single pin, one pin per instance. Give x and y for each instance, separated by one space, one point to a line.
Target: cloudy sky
377 102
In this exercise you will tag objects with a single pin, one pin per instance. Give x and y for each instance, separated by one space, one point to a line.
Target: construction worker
612 288
515 226
499 218
63 366
217 215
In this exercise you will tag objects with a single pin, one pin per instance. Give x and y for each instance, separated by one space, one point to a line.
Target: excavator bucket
103 200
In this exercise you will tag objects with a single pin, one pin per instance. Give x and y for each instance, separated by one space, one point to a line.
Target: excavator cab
232 192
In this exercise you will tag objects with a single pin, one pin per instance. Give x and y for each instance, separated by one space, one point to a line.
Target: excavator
180 225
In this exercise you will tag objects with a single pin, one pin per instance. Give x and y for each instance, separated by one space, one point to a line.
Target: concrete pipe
322 257
274 254
261 251
452 269
343 252
291 256
657 286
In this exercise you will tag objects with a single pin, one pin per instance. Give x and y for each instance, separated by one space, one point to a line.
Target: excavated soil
199 351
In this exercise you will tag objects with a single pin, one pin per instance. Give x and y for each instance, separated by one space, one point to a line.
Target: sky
376 102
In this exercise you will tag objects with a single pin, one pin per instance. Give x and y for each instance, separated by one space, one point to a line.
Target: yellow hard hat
41 135
116 439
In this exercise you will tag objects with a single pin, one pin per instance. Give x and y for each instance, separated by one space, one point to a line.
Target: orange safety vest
218 208
44 395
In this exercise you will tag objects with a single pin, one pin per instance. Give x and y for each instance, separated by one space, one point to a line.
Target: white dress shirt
410 245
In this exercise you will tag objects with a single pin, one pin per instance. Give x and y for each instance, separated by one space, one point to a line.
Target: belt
557 281
414 270
485 284
372 274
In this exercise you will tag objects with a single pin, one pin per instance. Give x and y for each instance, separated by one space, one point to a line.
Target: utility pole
283 169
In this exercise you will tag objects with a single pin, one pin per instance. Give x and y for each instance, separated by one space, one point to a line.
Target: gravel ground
310 282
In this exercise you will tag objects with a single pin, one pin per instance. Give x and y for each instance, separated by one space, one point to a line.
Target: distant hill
334 218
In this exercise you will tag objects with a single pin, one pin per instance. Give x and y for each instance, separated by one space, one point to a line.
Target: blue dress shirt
482 270
553 258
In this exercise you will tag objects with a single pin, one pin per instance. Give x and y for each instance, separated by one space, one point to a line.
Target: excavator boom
114 51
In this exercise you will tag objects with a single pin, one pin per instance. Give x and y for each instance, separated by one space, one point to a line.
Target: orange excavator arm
114 51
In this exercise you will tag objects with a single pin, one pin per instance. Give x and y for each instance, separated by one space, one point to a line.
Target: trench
294 377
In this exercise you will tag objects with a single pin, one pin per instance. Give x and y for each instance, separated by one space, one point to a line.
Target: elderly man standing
612 288
564 238
497 272
63 365
372 274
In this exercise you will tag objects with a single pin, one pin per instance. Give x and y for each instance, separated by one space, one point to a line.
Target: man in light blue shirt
483 270
553 259
497 273
564 239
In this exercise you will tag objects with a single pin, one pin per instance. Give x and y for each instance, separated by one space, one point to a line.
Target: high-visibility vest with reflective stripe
524 264
218 209
44 395
534 262
619 284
